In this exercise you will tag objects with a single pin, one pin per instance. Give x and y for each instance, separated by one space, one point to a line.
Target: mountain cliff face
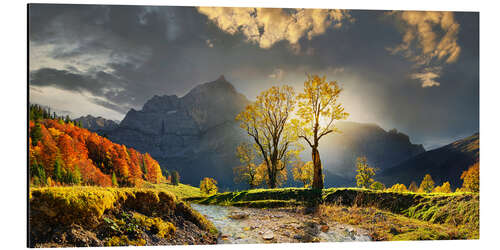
383 149
443 164
195 134
97 124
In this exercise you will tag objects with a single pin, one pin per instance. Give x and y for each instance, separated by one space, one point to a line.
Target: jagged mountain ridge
444 164
96 124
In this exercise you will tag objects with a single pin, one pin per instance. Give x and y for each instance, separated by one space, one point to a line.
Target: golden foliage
445 188
318 109
208 185
365 173
413 187
427 184
398 188
247 172
471 179
263 175
163 228
303 172
376 185
266 121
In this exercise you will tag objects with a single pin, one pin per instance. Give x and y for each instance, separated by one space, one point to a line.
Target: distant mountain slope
443 164
96 124
383 149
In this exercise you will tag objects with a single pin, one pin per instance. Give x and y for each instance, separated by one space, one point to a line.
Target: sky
417 72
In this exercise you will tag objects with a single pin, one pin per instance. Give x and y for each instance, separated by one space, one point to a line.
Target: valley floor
378 214
165 214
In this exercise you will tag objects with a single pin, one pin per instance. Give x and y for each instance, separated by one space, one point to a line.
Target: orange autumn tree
318 109
471 179
66 154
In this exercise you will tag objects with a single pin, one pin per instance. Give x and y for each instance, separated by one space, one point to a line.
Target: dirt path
251 225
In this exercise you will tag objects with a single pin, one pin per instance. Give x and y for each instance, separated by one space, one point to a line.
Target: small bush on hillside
175 178
427 184
471 179
398 188
413 187
377 185
365 173
445 188
208 185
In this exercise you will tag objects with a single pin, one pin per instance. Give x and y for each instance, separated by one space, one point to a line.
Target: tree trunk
272 180
318 171
272 173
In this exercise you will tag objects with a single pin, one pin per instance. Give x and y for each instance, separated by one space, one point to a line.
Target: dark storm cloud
123 55
109 105
66 80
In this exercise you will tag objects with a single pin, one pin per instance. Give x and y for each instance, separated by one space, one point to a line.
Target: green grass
181 191
260 197
305 196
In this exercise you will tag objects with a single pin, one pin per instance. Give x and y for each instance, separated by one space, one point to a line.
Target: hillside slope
96 216
61 153
443 164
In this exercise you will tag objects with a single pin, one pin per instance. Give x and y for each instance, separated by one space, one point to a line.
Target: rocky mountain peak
163 103
218 88
96 124
205 106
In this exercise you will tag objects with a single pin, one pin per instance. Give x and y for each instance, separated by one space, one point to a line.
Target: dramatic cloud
427 78
102 87
429 40
103 60
266 27
74 104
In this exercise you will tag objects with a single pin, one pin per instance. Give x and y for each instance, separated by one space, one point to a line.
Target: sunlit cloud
427 78
265 26
429 40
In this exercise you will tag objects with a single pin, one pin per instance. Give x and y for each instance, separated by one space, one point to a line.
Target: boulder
269 235
238 215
